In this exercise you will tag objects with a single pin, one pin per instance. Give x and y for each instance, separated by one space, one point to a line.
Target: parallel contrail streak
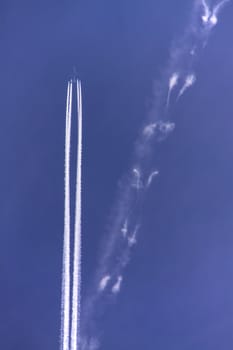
66 243
75 331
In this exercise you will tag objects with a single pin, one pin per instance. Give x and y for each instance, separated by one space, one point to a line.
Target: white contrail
124 229
138 183
151 177
75 331
211 17
117 286
104 282
132 240
214 17
66 243
189 81
205 17
156 129
149 130
162 128
172 83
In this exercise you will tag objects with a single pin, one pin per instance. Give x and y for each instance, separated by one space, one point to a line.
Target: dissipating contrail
70 303
179 75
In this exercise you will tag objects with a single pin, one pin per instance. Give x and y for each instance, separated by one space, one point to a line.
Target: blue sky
177 289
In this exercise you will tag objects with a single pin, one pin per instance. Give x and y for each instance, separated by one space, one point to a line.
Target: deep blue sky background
178 288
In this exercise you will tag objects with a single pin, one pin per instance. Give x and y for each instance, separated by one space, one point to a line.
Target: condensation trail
216 10
65 321
211 17
117 286
207 13
172 83
151 177
189 81
104 283
116 250
75 331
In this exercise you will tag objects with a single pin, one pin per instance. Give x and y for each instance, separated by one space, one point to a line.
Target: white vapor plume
132 239
104 282
211 17
160 129
189 81
149 130
151 177
205 17
124 229
90 344
193 51
164 129
66 243
117 286
127 212
216 10
94 344
138 183
173 81
77 232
